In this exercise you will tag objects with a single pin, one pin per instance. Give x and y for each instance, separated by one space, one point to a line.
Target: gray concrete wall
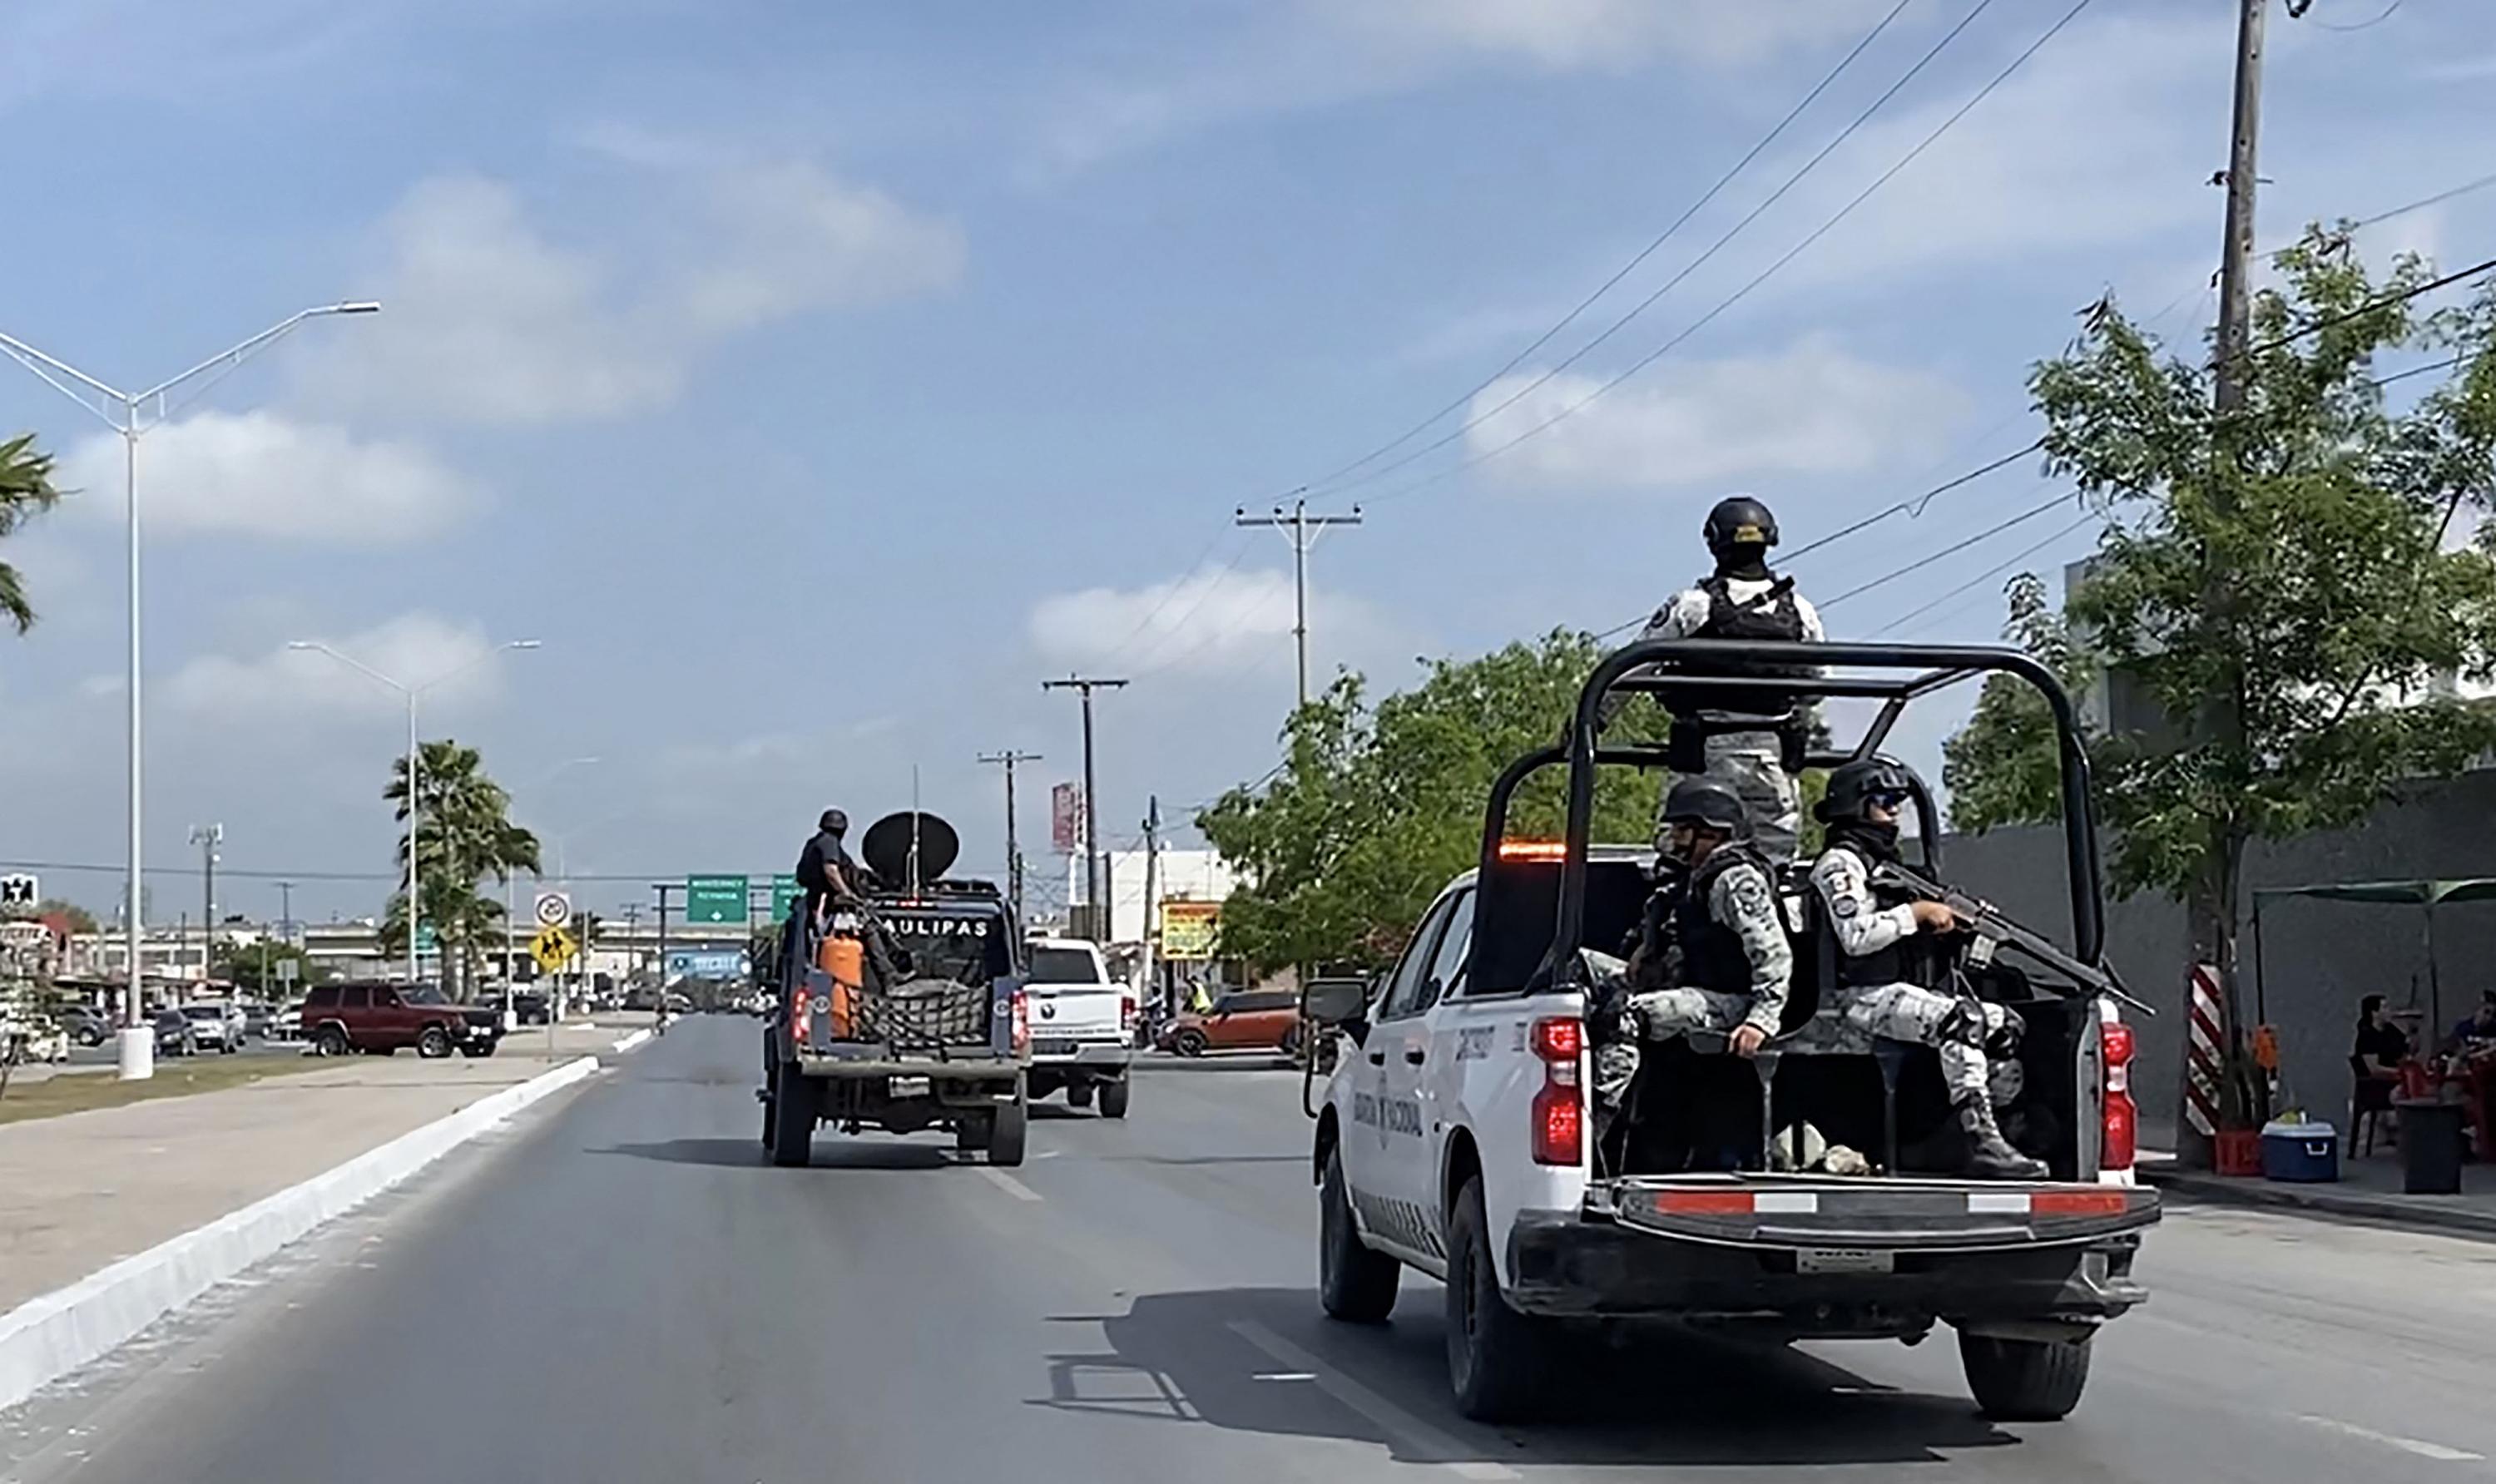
2318 957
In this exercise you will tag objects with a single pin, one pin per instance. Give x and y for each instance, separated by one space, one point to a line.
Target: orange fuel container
843 960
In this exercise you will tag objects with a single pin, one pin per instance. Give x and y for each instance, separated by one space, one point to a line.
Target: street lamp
414 901
133 414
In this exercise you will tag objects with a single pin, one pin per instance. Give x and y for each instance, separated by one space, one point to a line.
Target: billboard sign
1190 930
1066 819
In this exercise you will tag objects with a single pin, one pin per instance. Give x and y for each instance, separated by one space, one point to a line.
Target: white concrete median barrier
45 1337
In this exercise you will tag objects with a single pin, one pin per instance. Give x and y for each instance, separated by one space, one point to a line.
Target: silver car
212 1027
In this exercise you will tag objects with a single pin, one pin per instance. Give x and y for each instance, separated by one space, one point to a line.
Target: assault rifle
1991 927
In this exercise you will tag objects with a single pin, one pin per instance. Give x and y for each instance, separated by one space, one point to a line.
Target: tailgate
1824 1212
1084 1012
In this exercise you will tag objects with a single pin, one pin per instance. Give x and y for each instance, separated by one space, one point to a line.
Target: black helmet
1709 803
1854 786
835 822
1739 521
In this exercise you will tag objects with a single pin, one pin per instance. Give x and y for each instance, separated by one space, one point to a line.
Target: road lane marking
1401 1427
2434 1450
1006 1183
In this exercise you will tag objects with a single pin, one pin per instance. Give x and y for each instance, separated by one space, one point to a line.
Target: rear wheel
1355 1284
1114 1098
331 1040
2024 1380
792 1122
971 1134
1078 1095
1006 1136
1497 1358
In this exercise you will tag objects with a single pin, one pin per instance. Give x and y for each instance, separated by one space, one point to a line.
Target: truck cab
1457 1134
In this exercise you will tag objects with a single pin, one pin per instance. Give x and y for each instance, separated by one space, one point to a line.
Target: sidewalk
83 1190
2368 1189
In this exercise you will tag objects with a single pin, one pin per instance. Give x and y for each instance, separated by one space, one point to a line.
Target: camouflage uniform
1955 1027
1735 917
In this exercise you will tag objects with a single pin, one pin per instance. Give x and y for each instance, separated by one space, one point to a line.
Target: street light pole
414 901
131 416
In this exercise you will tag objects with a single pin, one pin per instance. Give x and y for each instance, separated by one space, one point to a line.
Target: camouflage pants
1928 1017
1659 1015
1752 763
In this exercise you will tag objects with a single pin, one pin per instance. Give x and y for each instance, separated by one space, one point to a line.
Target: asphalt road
619 1288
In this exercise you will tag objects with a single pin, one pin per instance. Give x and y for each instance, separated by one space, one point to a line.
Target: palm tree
25 488
464 836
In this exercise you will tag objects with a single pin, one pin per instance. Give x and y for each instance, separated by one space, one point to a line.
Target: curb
2389 1211
632 1040
53 1334
1212 1063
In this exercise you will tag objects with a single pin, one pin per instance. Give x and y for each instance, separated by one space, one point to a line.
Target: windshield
1064 966
203 1012
422 994
967 951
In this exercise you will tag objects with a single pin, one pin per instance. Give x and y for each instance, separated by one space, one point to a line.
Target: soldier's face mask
1691 843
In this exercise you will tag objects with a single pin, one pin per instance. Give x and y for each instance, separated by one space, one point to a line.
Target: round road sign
553 909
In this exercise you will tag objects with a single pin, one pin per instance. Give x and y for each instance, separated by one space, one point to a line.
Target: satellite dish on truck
892 841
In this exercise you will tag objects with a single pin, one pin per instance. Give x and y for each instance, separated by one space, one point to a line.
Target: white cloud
794 240
1813 408
1209 621
263 474
453 664
1613 35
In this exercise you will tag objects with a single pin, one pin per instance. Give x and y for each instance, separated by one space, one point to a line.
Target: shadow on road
829 1154
1677 1400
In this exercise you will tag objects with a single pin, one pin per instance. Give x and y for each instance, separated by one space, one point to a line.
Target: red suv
382 1018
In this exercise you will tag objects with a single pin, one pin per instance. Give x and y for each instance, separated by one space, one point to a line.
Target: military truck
902 1010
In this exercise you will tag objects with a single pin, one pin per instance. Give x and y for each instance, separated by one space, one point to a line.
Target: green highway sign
784 895
717 899
427 941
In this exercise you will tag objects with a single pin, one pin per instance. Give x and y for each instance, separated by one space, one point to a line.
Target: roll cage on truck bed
1454 1135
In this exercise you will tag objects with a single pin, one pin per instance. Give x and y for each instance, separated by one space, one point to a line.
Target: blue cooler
2300 1152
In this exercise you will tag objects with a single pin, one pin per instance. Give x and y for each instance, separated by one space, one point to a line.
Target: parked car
84 1025
174 1033
380 1018
1241 1020
287 1024
481 1025
210 1027
528 1008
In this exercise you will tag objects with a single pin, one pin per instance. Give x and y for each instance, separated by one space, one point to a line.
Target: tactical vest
1772 616
1712 956
1899 961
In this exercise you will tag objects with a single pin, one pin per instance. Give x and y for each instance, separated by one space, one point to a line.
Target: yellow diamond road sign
552 949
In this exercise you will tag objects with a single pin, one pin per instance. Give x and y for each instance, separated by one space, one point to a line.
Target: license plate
1052 1048
1843 1259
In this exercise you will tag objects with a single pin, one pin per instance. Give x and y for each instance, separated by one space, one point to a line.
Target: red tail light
1559 1133
1022 1023
2120 1139
797 1008
1126 1013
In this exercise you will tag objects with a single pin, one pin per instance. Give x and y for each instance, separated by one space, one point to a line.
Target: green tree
2005 765
2319 518
254 967
25 490
464 836
1375 808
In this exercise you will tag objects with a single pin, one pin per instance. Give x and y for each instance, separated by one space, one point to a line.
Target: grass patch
177 1077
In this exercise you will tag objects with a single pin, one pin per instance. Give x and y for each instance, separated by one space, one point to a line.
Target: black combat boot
1989 1155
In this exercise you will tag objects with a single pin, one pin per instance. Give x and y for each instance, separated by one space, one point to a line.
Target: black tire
433 1043
2024 1380
1189 1042
1497 1357
1355 1284
1007 1136
770 1089
971 1134
1079 1093
793 1123
1114 1098
331 1040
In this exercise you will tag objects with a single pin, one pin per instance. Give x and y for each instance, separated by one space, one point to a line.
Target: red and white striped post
2204 1057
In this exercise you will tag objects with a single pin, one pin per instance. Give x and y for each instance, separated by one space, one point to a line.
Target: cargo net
926 1016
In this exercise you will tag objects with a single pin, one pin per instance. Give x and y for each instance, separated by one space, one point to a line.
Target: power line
2379 301
1952 549
1172 591
1669 284
1990 573
1843 213
1628 268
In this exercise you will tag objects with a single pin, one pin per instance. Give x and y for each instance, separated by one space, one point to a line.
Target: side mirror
1335 1002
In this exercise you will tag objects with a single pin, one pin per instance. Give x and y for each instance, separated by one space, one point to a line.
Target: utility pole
286 910
662 888
207 837
2223 715
1300 524
1151 934
1085 686
1011 758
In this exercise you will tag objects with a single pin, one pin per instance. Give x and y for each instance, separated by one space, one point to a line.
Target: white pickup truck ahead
1458 1135
1082 1025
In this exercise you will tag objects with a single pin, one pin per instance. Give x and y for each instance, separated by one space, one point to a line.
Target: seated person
1874 994
2477 1031
2381 1045
1736 964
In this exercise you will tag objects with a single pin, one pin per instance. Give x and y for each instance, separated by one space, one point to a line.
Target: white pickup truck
1457 1134
1082 1025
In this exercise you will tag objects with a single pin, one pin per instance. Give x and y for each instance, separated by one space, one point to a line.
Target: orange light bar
2077 1203
1533 850
1702 1202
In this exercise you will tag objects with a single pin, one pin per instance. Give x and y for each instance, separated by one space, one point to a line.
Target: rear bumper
869 1062
1102 1055
1560 1264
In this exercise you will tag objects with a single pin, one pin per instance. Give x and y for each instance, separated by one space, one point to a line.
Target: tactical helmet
834 821
1738 521
1709 803
1854 786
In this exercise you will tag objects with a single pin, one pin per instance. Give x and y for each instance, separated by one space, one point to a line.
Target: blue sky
814 379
